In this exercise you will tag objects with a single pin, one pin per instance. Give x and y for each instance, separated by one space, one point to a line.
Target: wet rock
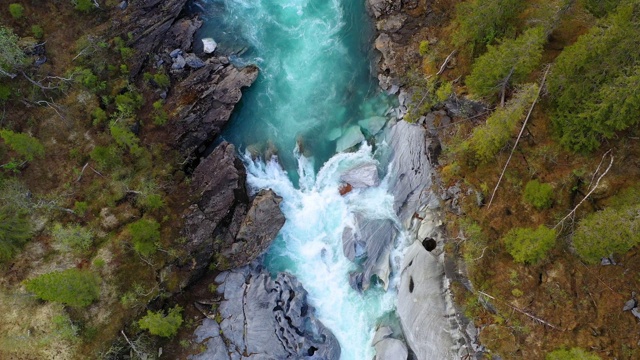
261 224
217 88
391 349
267 318
334 134
351 137
193 61
178 63
345 189
373 125
209 45
365 175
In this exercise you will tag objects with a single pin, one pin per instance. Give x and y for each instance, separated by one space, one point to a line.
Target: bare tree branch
592 189
524 125
535 318
446 61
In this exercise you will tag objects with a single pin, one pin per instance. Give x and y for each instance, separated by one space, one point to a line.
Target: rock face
413 152
265 318
148 22
204 102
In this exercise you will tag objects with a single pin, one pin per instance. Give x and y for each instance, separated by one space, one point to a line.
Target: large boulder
261 224
362 176
266 318
351 137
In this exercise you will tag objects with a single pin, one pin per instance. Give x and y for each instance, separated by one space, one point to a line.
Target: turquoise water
314 60
314 84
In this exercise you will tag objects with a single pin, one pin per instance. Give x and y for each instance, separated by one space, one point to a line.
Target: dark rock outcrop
204 101
260 226
265 318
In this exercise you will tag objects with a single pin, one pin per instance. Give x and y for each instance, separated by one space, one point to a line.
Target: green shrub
15 231
5 92
128 103
80 208
152 201
529 246
144 235
125 138
107 157
73 237
25 145
84 5
72 287
161 80
511 60
424 48
159 324
11 56
16 10
99 116
160 116
606 232
37 31
571 354
89 80
538 194
600 8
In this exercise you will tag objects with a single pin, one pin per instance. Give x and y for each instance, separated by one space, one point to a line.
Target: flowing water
314 84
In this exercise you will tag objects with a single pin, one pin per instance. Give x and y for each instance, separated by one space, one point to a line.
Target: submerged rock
362 176
265 318
351 137
373 125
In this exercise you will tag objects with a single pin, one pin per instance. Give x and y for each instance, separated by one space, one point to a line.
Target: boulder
362 176
193 61
391 349
351 137
421 305
208 336
209 45
261 224
384 7
266 318
178 63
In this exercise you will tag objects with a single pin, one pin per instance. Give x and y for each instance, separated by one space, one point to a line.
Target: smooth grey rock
373 125
269 318
193 61
209 45
635 312
208 335
175 53
381 334
123 5
412 153
421 305
178 63
362 176
351 137
391 349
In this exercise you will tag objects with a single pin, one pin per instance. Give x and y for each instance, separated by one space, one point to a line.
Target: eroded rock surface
265 318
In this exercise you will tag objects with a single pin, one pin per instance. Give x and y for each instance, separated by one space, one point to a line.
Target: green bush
144 235
480 22
128 103
15 231
16 10
107 157
529 246
37 31
73 237
80 208
88 79
161 80
5 92
571 354
25 145
589 82
606 232
159 324
424 48
73 287
600 8
538 194
99 116
160 116
511 60
125 138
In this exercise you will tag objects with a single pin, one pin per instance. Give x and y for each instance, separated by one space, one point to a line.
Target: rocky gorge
230 227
